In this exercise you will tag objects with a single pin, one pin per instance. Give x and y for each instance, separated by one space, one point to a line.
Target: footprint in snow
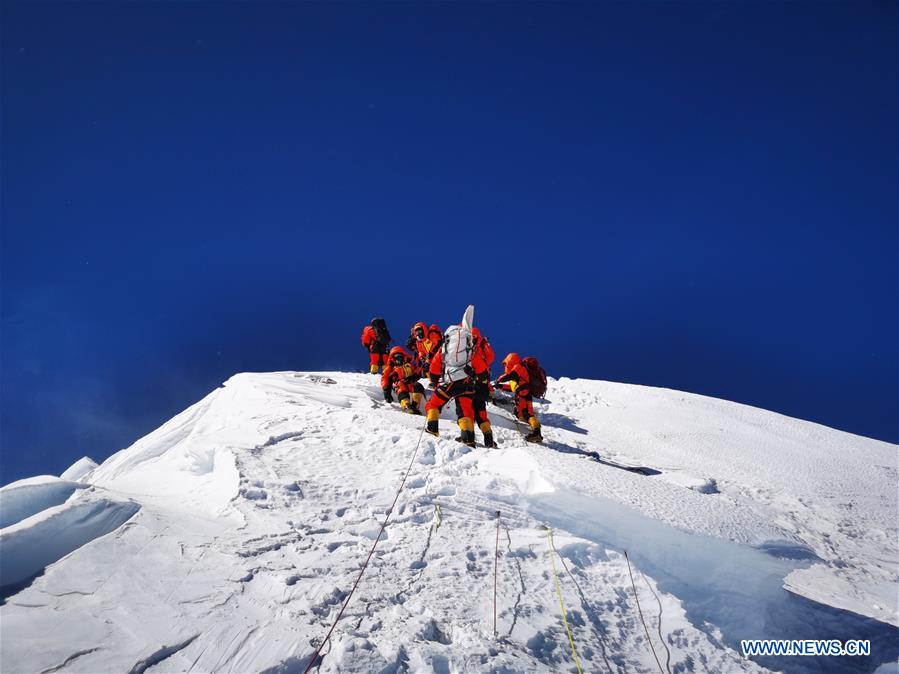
423 517
294 488
372 534
432 632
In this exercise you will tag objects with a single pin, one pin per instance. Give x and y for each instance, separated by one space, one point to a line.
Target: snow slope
227 539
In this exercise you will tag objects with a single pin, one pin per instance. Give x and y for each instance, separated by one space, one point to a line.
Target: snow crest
24 498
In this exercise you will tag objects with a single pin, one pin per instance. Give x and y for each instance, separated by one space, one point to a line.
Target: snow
80 469
37 541
32 495
189 459
227 539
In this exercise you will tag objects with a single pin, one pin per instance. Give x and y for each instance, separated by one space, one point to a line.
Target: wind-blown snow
32 495
80 469
226 540
30 545
189 459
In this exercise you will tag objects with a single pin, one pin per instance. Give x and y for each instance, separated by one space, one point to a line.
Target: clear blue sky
695 195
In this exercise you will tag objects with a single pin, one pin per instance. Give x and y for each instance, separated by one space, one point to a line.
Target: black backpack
380 326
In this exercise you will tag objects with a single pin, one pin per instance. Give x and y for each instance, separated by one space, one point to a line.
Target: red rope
367 559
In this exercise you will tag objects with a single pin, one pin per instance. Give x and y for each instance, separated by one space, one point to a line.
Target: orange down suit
426 347
461 390
518 380
377 350
481 360
404 380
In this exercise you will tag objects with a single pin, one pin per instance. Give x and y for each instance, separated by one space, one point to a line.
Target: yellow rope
552 556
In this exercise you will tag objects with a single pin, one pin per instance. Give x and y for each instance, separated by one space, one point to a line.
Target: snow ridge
236 530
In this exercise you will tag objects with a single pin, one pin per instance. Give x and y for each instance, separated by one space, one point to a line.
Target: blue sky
698 195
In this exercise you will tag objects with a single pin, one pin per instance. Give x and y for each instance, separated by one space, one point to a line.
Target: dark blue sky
695 195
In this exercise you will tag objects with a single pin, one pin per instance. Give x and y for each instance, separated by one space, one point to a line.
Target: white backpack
457 347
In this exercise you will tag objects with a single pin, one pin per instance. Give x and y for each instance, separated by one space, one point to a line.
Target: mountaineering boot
535 435
415 405
433 417
373 369
488 434
467 426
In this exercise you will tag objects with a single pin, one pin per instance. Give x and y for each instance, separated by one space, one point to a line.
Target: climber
517 379
402 375
481 359
423 343
376 338
431 346
449 372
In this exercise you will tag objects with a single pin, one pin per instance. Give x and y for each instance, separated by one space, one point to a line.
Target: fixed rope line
322 659
524 587
495 565
588 607
552 558
370 553
640 611
659 602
